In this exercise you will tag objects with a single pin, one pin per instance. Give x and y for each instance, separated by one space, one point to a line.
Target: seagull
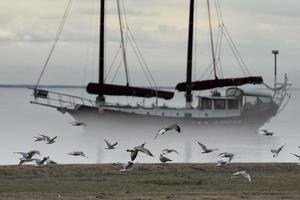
77 153
78 124
39 162
164 159
109 145
267 133
298 156
243 173
28 155
277 151
48 139
227 155
126 166
135 150
23 160
205 149
166 151
162 131
39 138
221 163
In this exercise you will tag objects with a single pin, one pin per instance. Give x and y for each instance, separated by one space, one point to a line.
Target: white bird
29 155
242 173
267 133
205 149
77 153
126 166
78 124
162 131
227 155
166 151
277 151
221 163
135 150
40 162
109 145
39 138
296 155
164 159
48 140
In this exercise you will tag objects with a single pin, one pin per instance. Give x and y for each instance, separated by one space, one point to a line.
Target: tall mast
188 92
101 47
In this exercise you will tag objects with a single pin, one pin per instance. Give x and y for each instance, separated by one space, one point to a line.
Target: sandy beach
150 181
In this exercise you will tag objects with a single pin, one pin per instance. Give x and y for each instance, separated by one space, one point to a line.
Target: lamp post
275 52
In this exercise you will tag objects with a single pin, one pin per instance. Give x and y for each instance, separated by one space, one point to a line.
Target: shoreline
150 181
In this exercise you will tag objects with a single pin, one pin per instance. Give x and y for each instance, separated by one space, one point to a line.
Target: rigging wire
57 37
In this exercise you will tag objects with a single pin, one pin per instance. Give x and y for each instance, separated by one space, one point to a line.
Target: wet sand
150 181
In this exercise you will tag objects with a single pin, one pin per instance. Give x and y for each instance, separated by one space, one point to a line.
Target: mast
100 97
188 92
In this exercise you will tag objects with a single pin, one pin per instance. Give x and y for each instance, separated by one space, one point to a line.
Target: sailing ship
236 107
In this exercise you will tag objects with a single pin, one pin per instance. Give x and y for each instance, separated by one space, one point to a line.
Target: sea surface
21 121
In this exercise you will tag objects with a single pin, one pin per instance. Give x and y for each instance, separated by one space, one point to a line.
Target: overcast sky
27 30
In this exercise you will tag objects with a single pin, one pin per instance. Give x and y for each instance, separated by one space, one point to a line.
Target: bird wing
116 143
280 148
204 148
133 154
107 143
24 155
129 165
145 151
53 138
173 150
175 127
246 176
161 132
298 156
230 157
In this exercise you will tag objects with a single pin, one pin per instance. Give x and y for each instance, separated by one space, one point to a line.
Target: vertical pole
188 94
275 52
100 97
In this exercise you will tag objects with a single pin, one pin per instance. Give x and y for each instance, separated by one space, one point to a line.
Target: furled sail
210 84
108 89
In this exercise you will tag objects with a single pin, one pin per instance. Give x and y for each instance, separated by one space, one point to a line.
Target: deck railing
59 100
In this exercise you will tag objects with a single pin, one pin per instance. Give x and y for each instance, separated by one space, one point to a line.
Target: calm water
20 121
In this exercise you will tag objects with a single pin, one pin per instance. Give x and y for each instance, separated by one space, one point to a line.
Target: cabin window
219 104
233 104
250 100
206 103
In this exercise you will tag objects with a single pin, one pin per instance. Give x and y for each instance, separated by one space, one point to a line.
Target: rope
57 37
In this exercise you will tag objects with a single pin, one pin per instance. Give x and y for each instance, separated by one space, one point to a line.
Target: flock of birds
29 156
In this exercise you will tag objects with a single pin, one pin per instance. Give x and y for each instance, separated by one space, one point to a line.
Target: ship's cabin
235 99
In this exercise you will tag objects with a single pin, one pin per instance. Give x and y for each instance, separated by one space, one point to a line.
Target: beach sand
150 181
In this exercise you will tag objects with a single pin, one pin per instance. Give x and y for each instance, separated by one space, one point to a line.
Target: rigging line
122 42
58 34
219 41
117 71
235 55
139 60
136 48
244 65
142 59
205 71
195 41
113 62
224 28
211 40
89 42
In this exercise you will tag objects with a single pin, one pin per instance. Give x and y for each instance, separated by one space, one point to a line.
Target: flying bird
28 155
39 138
242 173
277 151
109 145
227 155
78 124
77 153
296 155
267 133
126 166
48 140
221 163
162 131
135 150
166 151
205 149
40 162
164 159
